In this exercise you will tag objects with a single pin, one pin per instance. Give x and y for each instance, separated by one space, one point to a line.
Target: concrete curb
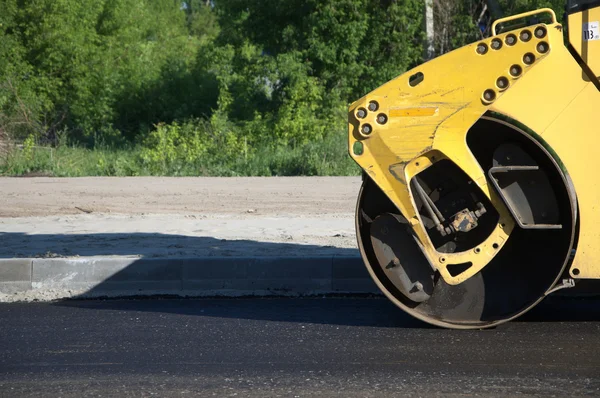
38 279
58 278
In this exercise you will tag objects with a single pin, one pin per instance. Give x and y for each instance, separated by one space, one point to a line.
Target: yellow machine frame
527 75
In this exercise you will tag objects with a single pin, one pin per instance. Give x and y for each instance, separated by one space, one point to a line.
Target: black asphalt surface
317 347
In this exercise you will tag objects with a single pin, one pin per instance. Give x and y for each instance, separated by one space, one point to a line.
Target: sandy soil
26 197
177 217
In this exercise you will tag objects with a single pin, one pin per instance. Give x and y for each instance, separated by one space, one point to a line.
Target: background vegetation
205 87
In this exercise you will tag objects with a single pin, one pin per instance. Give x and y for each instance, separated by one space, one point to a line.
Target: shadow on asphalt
348 311
565 309
373 311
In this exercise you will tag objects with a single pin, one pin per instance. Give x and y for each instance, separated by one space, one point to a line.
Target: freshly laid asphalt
340 347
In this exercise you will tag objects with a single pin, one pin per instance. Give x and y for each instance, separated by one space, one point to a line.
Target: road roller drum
479 194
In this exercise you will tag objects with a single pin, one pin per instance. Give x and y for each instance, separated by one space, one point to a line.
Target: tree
201 19
465 21
292 67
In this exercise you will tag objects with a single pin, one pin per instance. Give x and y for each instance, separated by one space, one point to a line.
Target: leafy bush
171 146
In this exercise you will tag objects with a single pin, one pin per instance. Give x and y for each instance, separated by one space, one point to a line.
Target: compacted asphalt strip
344 347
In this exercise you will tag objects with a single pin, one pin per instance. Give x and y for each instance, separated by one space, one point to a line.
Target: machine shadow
343 309
159 261
581 305
372 311
151 245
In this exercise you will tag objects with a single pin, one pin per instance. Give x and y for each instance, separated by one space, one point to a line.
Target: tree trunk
429 50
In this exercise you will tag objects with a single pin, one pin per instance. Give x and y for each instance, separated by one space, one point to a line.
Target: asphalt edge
49 279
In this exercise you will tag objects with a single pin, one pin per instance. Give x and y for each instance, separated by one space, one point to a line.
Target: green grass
328 157
70 162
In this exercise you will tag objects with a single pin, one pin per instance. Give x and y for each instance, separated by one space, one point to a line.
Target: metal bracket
523 15
512 203
566 284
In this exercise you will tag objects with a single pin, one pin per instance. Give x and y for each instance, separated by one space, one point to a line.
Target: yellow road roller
480 191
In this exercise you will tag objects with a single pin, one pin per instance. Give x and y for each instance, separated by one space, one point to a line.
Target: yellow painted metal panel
428 121
563 111
461 85
540 97
574 135
413 112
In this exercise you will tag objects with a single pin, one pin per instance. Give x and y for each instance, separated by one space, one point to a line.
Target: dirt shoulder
278 196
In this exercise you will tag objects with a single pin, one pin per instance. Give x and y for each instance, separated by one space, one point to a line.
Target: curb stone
37 279
40 279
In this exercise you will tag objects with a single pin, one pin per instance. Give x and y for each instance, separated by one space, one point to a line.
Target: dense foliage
210 87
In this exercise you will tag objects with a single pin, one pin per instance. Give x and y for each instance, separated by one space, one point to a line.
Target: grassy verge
70 162
328 157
